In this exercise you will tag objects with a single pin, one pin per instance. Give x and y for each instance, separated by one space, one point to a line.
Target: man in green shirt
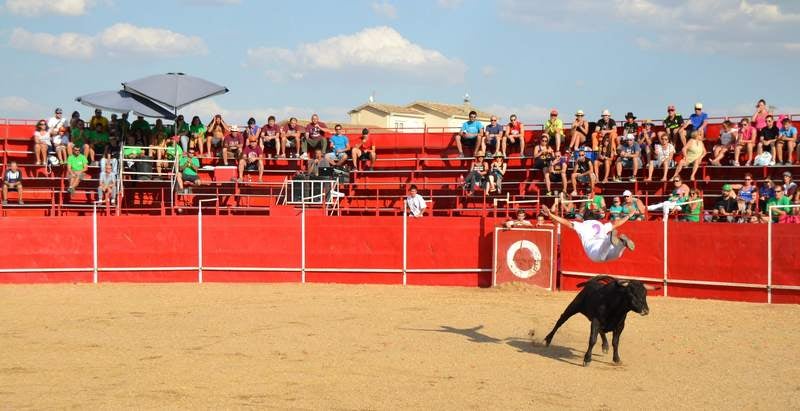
780 199
188 166
77 164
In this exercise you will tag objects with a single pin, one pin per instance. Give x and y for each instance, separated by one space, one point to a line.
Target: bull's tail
602 279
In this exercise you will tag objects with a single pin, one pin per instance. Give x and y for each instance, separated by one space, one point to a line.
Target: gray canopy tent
124 102
174 90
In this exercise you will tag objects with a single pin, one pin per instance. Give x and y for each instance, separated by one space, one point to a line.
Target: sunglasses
670 111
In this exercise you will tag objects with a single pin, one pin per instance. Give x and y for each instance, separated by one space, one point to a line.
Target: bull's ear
623 283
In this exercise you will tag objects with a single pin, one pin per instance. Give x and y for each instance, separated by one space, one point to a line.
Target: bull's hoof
605 349
586 363
547 341
617 361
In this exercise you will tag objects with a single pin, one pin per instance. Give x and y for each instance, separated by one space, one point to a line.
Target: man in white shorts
601 242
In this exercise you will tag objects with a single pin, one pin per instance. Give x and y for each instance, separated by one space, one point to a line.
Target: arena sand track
379 347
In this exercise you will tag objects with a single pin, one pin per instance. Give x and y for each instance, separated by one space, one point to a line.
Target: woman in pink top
747 138
760 117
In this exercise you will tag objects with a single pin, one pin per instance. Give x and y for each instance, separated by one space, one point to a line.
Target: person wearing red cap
554 128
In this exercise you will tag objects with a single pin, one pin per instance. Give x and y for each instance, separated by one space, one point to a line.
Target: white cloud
384 9
488 71
124 38
449 4
30 8
119 39
740 27
372 50
68 45
527 113
21 107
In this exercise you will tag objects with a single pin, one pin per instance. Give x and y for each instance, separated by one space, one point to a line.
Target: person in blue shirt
492 135
340 145
787 137
698 121
470 131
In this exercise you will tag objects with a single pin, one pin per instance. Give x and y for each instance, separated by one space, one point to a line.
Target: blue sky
299 57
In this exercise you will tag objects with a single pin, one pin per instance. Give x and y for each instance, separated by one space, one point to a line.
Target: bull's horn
651 288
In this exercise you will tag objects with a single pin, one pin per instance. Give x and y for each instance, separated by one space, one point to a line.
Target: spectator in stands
98 141
340 146
519 222
692 210
679 195
477 175
727 207
56 122
216 131
747 194
781 199
765 193
698 121
595 207
253 131
12 180
768 137
315 136
693 153
515 134
633 206
172 150
364 151
615 211
564 206
182 132
605 154
197 135
583 172
556 171
542 154
61 145
471 130
107 188
580 132
415 204
646 138
759 119
42 143
788 140
630 126
73 121
319 161
290 137
98 119
232 147
673 125
141 128
77 164
789 186
78 139
123 127
664 152
271 136
188 166
111 154
158 139
132 152
746 138
629 155
496 172
606 127
541 222
492 135
554 128
252 160
727 142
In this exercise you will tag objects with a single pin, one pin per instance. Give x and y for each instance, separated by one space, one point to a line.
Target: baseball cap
627 193
698 105
670 107
787 174
727 187
58 110
630 137
606 113
234 128
553 112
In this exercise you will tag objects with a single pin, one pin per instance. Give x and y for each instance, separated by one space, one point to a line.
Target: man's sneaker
627 241
70 190
549 193
633 179
21 202
5 202
617 180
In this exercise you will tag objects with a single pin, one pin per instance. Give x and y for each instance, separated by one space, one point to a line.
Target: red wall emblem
525 255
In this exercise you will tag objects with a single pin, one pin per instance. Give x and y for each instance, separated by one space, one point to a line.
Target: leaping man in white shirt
601 241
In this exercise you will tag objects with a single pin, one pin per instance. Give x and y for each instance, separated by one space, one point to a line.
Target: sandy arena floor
379 347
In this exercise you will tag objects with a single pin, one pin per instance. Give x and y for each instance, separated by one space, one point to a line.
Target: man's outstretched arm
560 220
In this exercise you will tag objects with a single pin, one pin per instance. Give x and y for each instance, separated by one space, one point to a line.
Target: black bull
605 301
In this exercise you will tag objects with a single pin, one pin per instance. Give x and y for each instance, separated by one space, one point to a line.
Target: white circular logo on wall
524 259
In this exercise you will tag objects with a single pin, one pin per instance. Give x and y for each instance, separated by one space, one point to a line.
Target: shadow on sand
472 334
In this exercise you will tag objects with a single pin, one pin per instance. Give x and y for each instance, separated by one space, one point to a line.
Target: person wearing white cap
629 155
601 242
633 206
580 131
606 128
56 122
698 121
